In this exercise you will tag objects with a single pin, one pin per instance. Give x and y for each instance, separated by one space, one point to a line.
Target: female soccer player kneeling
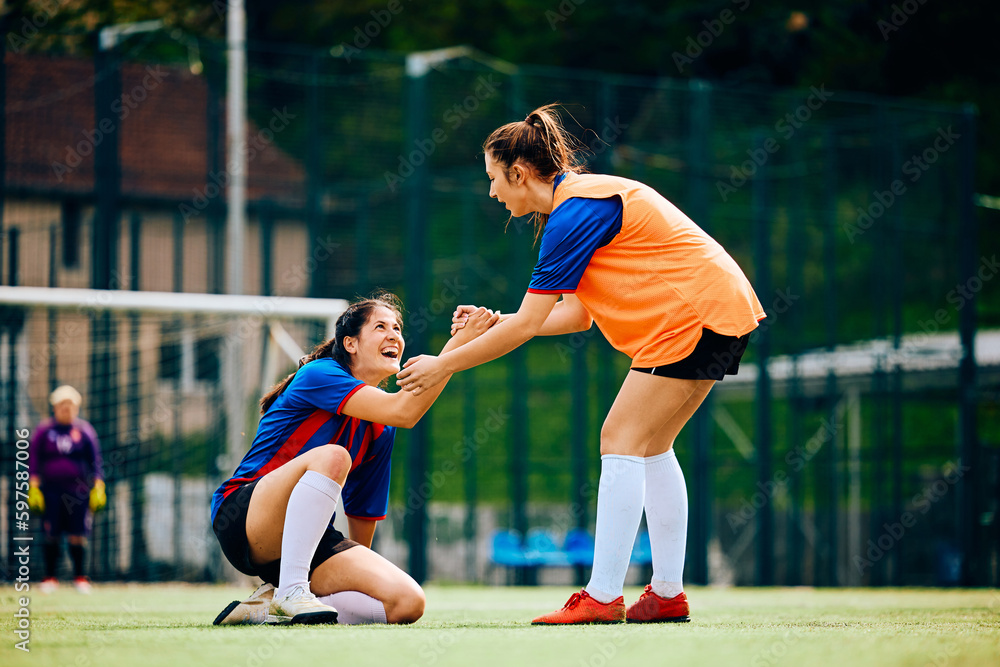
326 433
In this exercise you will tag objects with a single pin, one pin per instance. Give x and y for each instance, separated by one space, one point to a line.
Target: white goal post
247 310
267 307
173 376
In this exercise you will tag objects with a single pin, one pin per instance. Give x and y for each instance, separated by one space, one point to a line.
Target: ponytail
542 145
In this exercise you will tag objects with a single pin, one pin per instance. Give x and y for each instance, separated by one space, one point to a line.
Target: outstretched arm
567 316
423 373
404 409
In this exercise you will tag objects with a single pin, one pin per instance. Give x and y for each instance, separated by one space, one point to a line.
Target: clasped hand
422 372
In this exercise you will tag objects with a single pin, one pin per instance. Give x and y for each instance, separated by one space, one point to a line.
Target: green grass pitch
150 625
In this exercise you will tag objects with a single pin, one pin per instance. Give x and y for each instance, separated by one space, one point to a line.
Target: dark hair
349 323
541 144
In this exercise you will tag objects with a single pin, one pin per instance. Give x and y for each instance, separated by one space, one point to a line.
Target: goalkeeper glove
98 499
36 500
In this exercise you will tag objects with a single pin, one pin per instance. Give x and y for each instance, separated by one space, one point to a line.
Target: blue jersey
308 415
574 231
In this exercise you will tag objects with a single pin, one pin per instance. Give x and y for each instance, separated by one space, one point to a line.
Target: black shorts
715 357
67 509
230 527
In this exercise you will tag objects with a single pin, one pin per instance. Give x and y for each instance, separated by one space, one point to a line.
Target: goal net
170 383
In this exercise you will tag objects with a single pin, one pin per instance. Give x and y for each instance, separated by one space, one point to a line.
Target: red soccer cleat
651 608
581 608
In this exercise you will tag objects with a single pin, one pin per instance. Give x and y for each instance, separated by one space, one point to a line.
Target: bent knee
408 608
625 439
613 442
333 461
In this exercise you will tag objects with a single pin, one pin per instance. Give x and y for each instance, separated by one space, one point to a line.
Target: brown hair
350 324
541 144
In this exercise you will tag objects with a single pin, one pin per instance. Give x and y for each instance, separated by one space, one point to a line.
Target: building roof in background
51 133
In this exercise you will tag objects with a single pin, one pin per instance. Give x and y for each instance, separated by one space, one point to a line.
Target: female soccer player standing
326 433
663 292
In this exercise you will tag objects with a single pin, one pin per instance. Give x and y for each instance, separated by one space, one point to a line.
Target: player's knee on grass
407 607
331 460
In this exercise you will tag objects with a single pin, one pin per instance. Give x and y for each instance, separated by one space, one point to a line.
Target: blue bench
541 550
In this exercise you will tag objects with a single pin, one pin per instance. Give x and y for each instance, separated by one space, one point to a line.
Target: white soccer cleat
252 611
300 606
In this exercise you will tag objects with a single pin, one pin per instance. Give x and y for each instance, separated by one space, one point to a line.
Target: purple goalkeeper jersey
65 454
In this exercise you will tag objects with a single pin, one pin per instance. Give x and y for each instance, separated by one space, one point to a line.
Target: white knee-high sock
355 608
310 508
619 510
666 506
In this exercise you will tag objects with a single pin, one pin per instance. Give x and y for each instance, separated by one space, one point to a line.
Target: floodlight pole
236 142
236 166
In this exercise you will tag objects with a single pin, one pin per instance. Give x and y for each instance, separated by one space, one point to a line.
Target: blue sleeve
366 492
322 384
576 229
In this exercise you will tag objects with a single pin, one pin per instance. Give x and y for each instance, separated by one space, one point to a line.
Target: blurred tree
918 48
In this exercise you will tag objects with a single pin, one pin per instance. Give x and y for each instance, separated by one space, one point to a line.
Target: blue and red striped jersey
308 415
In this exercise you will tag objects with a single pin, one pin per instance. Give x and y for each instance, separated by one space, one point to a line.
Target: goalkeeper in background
66 484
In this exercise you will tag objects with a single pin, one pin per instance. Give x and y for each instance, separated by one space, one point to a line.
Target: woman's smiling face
377 350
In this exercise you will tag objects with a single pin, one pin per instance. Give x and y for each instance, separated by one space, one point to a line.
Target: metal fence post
520 446
103 390
795 272
896 271
139 564
967 395
764 553
469 399
314 169
265 218
829 559
880 382
416 273
701 514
